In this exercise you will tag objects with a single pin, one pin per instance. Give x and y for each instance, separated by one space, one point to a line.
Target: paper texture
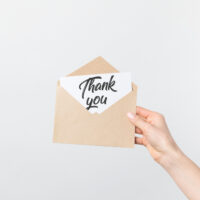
75 125
97 92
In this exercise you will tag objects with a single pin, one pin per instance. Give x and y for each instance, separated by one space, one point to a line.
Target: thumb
138 121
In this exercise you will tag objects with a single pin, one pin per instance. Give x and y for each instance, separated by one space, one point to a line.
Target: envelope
73 123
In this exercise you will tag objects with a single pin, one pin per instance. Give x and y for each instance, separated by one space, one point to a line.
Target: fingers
138 130
139 122
139 140
143 112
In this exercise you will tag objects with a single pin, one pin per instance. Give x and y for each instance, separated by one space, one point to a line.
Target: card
97 92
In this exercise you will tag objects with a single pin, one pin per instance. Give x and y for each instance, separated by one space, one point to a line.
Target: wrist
171 158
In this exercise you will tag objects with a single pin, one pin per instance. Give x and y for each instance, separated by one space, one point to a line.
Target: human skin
157 139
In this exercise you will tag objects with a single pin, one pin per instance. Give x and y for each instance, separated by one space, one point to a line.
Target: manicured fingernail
130 115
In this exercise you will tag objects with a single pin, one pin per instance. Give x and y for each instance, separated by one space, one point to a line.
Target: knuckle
160 116
146 127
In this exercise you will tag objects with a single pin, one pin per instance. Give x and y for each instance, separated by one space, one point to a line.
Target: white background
42 40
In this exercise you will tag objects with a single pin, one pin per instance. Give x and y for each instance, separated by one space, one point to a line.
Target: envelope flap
96 66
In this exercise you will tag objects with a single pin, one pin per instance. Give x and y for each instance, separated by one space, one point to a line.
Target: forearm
185 173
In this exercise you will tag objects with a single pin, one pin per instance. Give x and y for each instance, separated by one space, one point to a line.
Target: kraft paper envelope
75 125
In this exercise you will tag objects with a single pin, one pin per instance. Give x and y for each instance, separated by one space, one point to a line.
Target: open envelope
75 125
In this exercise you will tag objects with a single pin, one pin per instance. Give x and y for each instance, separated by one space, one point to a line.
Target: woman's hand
158 140
155 134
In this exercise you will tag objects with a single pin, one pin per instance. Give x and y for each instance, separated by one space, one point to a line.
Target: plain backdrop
42 40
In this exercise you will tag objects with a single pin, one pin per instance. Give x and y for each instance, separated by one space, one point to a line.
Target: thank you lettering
97 92
94 85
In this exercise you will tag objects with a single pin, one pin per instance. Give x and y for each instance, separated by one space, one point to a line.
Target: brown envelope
75 125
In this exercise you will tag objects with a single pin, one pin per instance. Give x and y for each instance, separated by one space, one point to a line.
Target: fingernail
130 115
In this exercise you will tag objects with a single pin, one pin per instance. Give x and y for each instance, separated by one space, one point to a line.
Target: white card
97 92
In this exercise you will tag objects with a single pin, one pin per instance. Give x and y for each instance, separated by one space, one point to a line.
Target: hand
158 140
155 134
